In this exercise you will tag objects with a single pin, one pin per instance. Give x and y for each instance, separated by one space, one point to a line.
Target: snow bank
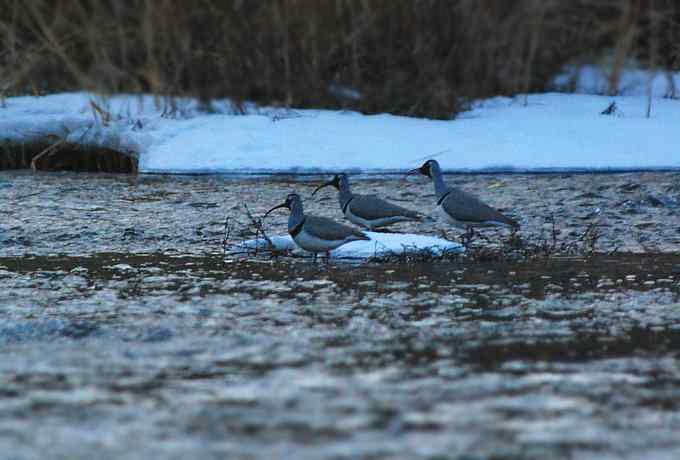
70 116
554 132
592 79
381 244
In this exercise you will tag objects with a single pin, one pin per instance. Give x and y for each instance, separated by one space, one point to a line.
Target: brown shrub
421 58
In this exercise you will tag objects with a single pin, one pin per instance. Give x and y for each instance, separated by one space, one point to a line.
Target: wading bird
367 211
458 207
316 234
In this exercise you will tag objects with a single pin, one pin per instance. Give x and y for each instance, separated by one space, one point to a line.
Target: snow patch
553 132
591 79
381 244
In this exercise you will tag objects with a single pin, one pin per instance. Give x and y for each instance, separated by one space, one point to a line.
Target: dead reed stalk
426 58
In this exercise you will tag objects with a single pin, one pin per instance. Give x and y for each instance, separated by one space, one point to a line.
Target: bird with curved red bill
314 233
367 211
460 208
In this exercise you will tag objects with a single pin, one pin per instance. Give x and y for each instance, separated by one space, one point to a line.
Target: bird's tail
359 235
425 218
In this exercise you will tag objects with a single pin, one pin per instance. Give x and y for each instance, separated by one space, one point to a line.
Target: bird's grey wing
468 208
329 229
371 207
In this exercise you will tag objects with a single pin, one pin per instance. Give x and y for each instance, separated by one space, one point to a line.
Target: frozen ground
552 132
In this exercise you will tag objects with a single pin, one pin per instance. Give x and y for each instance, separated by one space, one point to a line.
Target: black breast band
439 201
295 231
344 208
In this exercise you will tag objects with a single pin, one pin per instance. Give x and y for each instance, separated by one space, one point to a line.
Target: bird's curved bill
326 184
412 172
282 205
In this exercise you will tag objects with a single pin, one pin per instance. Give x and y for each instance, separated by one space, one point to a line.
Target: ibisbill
313 233
458 207
368 211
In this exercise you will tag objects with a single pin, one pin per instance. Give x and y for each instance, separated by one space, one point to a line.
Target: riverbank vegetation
428 58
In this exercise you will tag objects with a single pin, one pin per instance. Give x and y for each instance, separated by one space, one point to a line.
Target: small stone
629 187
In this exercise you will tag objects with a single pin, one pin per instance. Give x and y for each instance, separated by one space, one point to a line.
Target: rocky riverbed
81 213
126 333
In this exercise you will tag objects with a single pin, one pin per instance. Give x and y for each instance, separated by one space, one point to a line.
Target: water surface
126 333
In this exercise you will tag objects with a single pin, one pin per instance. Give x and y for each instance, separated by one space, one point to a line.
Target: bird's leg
315 254
466 238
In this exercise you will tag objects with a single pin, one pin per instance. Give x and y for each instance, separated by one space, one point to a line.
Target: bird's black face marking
286 204
426 169
290 199
340 180
335 182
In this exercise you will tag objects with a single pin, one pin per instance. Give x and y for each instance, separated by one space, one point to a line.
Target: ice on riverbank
381 244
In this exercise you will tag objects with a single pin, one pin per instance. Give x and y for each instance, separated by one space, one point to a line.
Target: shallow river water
126 333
